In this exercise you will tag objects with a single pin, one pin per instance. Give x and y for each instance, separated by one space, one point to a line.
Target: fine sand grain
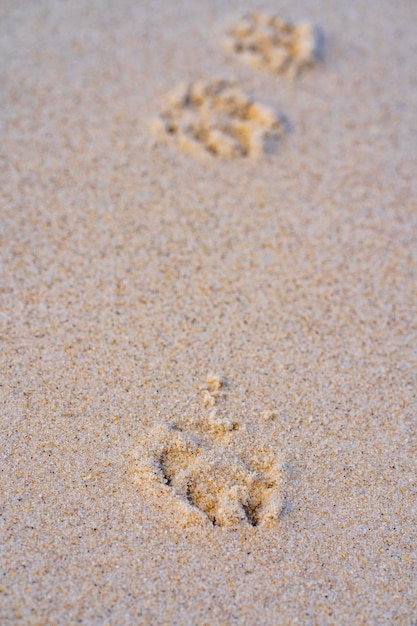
208 389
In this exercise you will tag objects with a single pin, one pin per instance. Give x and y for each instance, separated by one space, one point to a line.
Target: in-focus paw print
216 480
268 43
210 469
216 117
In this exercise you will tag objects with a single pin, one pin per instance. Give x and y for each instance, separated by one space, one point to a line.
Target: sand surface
135 489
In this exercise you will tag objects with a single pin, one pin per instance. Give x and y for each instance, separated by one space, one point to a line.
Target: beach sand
208 364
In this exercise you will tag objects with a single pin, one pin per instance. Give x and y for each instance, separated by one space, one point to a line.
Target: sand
208 360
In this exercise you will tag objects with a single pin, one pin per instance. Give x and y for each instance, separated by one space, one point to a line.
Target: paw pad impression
210 470
216 117
267 42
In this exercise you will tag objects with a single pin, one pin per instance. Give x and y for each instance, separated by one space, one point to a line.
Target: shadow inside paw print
267 42
216 117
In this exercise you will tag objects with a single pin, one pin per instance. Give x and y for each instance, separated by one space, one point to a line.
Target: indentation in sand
216 117
215 480
210 471
268 43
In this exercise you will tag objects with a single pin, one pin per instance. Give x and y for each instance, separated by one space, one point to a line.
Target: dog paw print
268 43
210 476
216 117
215 480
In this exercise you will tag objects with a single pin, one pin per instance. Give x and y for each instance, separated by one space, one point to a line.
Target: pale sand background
131 270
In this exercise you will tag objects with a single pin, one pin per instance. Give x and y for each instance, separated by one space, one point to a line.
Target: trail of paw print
216 117
213 477
269 43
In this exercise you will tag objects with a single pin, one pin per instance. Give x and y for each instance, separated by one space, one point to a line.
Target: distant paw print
267 42
216 117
